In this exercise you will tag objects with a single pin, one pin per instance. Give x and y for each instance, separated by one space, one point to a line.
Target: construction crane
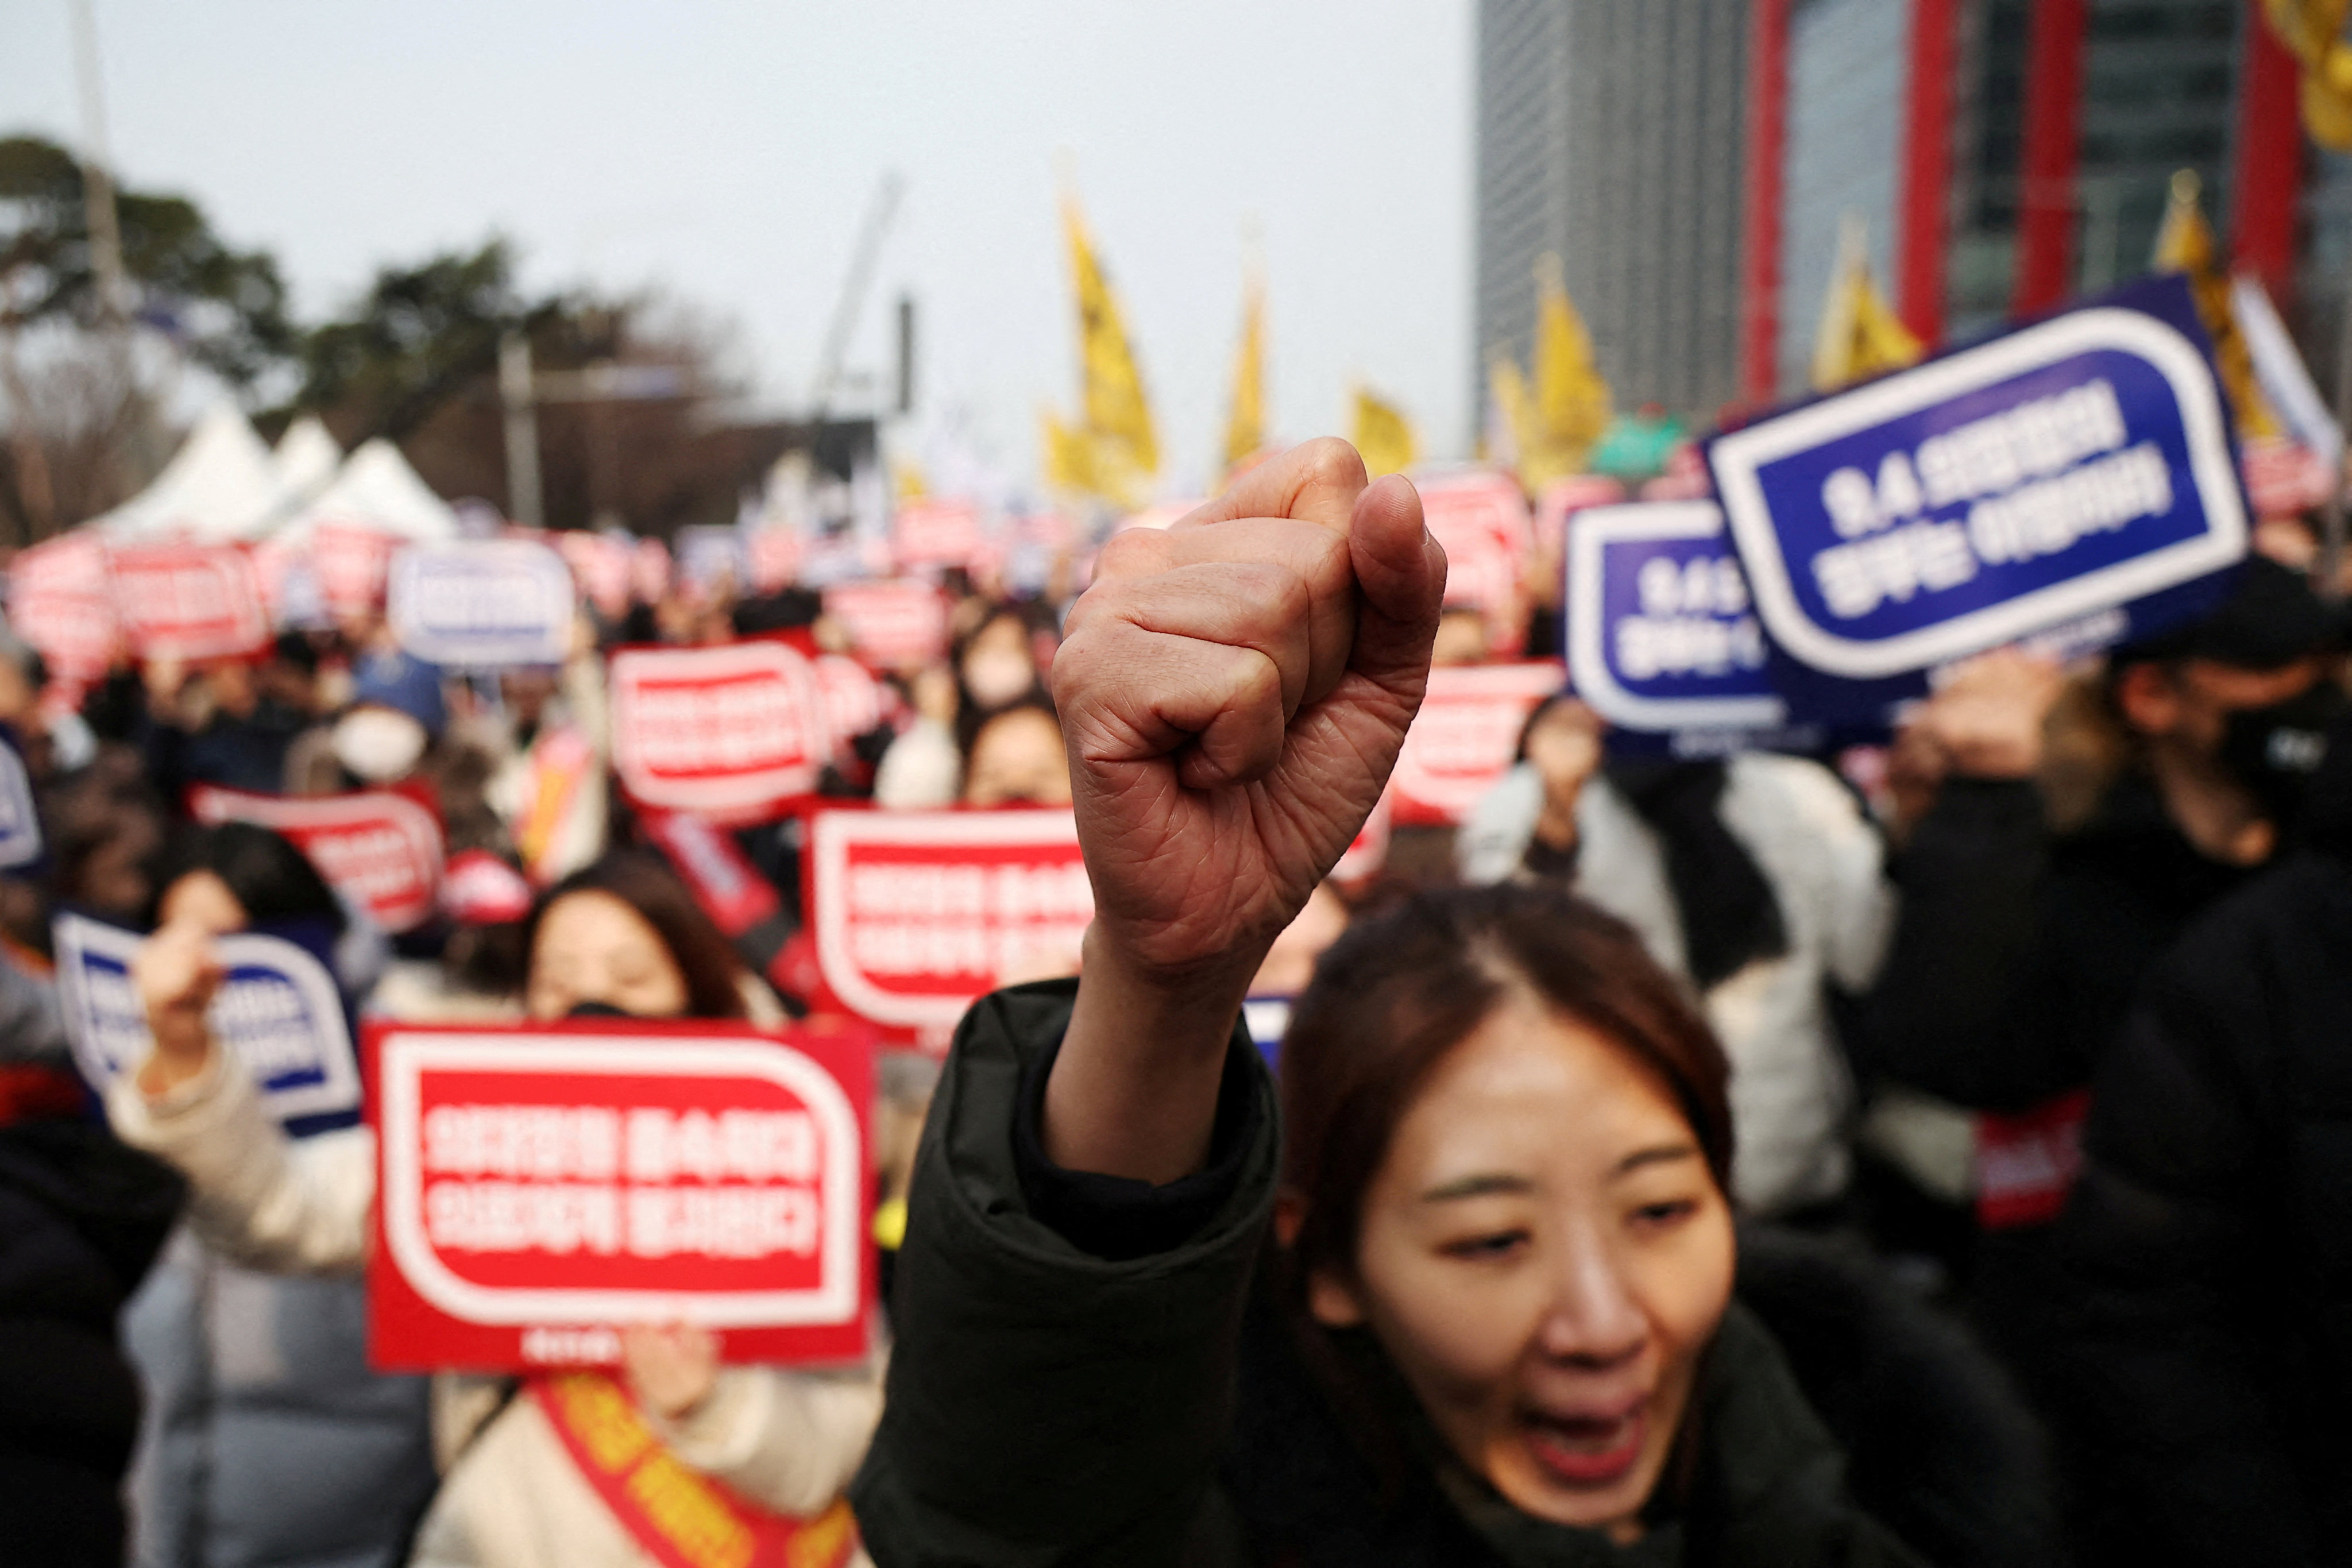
878 214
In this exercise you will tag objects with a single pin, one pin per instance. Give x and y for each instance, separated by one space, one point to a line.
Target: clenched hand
1232 693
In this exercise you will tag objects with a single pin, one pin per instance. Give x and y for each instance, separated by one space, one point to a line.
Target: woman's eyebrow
1657 1154
1482 1185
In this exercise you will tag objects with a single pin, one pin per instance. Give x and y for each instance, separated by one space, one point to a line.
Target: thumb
1401 573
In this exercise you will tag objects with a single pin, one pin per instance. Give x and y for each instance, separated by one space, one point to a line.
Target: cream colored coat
789 1439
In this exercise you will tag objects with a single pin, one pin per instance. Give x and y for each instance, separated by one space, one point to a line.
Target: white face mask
996 676
378 744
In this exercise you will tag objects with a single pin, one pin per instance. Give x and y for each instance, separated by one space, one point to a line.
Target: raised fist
1232 693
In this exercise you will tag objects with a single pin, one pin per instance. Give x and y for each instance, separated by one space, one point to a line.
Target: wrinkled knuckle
1328 460
1136 552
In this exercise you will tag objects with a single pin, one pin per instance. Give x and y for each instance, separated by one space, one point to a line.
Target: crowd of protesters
1939 1151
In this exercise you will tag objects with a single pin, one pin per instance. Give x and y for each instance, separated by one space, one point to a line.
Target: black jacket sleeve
1047 1404
1963 1005
2181 1260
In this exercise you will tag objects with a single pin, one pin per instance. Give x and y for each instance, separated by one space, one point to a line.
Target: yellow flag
1117 415
1383 435
2312 31
1571 400
1069 458
1245 424
1510 413
1860 336
2185 245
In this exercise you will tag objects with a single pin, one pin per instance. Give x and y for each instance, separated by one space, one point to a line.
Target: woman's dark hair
1536 717
1393 996
655 892
271 879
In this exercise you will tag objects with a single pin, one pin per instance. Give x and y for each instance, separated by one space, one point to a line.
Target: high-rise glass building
1692 163
1609 134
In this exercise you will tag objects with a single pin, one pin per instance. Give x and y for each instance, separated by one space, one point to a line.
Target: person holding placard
268 1439
1756 876
1475 1305
622 938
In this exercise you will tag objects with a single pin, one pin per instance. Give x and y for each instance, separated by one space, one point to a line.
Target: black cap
2272 618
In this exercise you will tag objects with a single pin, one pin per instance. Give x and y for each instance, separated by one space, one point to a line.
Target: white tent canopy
307 458
221 485
377 490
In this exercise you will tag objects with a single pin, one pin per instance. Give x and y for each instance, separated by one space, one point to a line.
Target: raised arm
256 1197
1232 692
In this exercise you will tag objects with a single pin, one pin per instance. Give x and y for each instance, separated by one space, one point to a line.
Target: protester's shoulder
1798 785
1940 1448
2286 932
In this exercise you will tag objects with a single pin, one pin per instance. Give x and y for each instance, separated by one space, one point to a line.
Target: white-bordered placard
2047 595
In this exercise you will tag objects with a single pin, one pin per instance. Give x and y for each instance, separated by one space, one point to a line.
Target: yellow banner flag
1383 435
2185 245
1117 415
1571 400
2312 31
1245 424
1069 458
1860 336
1510 413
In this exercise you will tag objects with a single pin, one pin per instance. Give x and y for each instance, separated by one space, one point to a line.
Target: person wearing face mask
1474 1303
397 711
2206 1250
995 669
2019 947
621 938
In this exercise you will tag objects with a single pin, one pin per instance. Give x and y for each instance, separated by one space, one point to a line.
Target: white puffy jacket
1790 1093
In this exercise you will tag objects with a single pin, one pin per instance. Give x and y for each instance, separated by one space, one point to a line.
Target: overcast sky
725 152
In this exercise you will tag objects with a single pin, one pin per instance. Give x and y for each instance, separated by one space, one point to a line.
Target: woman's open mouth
1588 1450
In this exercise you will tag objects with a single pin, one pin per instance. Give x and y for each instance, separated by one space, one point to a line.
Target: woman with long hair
619 938
1475 1304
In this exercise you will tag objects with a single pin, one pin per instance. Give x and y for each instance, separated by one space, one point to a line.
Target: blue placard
706 552
20 824
2055 474
278 1010
481 604
1662 637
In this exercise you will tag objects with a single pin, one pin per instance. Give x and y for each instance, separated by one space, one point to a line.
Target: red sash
682 1518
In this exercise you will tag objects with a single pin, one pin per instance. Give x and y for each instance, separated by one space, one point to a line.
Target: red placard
897 624
1481 521
776 557
1562 498
600 569
649 569
918 912
2028 1161
381 849
189 601
727 885
854 700
731 731
539 1186
935 532
1465 736
352 563
2283 478
59 600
